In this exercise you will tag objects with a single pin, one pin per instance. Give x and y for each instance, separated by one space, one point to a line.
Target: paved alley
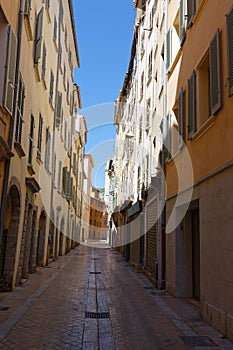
93 299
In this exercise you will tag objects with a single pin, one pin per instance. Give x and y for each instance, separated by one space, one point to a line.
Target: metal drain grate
94 259
192 342
96 315
95 272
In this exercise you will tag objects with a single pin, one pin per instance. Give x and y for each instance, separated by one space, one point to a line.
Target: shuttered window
27 7
39 142
59 109
182 23
47 148
59 175
191 8
71 103
215 74
229 19
181 117
169 49
192 124
38 39
10 70
44 61
75 163
20 110
68 92
55 29
31 140
167 136
47 4
51 87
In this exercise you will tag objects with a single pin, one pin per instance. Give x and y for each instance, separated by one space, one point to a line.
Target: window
181 117
167 136
47 3
182 22
192 123
59 109
39 143
59 175
169 49
148 112
139 179
70 59
20 109
38 39
43 62
47 148
215 74
71 103
191 8
66 38
75 163
150 65
68 92
142 43
229 19
27 7
10 71
64 76
55 29
203 105
51 87
31 139
142 85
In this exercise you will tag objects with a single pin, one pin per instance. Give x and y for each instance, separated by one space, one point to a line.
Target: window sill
19 149
39 160
204 128
37 71
48 14
44 82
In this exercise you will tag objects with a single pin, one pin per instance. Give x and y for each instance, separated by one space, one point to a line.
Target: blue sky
104 33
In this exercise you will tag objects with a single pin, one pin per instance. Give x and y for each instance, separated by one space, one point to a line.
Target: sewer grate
149 287
96 315
94 259
192 342
95 272
161 294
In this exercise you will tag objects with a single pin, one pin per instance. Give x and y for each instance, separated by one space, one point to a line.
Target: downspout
163 218
12 123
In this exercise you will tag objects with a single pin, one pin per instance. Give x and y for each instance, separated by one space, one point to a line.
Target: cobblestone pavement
92 299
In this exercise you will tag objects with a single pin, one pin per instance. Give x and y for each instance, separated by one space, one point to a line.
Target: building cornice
74 30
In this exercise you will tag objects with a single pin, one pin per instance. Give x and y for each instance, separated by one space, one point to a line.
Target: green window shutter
27 7
192 125
55 29
64 179
215 74
167 136
51 87
38 39
39 142
191 7
59 175
20 110
229 19
44 61
182 22
59 109
10 71
31 139
181 117
169 49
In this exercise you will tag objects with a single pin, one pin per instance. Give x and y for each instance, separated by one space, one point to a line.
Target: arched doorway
10 237
41 239
61 238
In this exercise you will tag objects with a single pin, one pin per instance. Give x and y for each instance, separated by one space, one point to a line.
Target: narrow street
92 299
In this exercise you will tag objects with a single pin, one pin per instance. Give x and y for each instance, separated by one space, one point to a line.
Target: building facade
38 218
199 105
138 116
98 217
86 195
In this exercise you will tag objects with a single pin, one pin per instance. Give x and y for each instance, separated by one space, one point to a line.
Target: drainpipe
163 217
12 123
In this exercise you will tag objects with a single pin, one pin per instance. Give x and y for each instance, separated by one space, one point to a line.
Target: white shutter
10 71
